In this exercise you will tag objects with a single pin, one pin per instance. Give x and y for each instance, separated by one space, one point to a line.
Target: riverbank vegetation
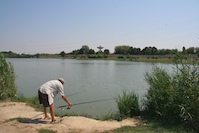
127 104
172 97
124 52
7 80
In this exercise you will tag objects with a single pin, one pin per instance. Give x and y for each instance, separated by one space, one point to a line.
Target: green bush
121 57
92 56
174 97
105 56
99 55
42 130
159 96
7 80
127 104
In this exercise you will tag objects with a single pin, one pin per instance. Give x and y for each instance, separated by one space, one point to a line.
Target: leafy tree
91 51
166 51
137 51
197 50
163 52
84 50
81 51
7 80
75 52
190 50
63 54
146 51
134 51
106 51
173 51
121 49
37 55
154 50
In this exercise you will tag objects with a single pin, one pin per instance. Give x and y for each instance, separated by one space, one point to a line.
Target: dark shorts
43 99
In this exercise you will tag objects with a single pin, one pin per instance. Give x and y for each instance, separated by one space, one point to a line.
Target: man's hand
70 104
66 100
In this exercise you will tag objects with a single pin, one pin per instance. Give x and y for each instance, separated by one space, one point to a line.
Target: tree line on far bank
129 50
123 50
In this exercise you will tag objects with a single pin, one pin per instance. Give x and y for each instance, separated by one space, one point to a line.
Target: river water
88 80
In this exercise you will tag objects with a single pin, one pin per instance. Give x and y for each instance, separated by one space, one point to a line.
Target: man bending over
47 92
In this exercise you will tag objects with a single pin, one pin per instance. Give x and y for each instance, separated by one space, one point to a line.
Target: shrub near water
7 80
127 104
174 98
159 97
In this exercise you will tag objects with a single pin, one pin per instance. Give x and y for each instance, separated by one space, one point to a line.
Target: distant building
100 48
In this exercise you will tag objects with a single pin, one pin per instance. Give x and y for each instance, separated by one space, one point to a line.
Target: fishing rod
68 107
69 95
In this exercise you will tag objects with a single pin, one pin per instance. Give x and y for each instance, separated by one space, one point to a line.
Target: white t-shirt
52 88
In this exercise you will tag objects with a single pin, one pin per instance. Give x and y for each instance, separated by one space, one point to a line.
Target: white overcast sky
52 26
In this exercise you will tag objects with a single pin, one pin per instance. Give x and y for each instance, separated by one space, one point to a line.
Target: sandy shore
30 120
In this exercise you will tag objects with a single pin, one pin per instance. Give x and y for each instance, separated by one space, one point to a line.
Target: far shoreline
116 57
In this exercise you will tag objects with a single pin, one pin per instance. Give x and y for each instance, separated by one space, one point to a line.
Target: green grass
159 60
31 101
127 103
112 57
150 128
45 131
141 59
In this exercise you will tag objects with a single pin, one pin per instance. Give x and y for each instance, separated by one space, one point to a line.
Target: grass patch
150 128
46 131
108 116
31 101
152 60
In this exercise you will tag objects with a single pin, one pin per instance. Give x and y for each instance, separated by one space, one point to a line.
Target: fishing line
68 107
36 116
69 95
63 106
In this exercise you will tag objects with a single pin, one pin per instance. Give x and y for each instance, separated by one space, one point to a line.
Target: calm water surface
91 79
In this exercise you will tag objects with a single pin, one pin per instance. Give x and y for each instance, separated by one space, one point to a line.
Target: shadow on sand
32 121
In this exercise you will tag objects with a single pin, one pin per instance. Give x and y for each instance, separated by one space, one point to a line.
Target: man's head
61 80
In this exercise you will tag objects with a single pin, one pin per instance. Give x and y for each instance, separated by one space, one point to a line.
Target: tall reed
174 97
8 88
127 104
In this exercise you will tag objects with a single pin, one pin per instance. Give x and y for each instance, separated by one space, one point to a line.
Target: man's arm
66 100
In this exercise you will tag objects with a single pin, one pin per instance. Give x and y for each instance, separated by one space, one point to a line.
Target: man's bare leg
52 112
45 113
